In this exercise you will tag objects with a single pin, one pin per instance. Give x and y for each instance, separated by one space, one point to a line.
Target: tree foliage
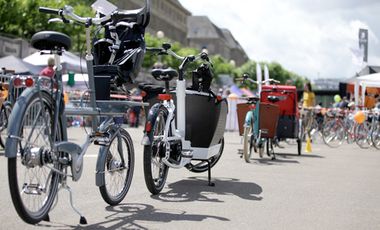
276 71
21 18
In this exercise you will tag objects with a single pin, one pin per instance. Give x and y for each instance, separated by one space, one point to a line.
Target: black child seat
51 40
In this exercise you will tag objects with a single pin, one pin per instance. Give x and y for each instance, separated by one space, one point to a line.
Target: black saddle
51 40
253 100
164 74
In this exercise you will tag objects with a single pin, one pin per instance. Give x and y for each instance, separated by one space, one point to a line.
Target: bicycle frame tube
90 72
181 107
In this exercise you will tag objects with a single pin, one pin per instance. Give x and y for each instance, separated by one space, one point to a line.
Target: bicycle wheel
362 135
333 133
33 183
155 170
119 165
375 136
5 112
247 146
203 166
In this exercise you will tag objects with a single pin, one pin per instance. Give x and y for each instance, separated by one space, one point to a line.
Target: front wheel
155 170
333 133
118 168
247 149
362 134
32 164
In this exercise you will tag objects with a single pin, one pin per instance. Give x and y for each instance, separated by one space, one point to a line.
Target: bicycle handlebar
47 10
69 11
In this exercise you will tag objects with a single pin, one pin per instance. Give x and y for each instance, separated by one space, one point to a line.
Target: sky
311 38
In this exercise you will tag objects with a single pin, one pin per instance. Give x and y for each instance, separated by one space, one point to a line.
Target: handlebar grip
151 49
47 10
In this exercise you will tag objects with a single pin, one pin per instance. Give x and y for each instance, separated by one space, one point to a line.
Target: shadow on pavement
134 215
306 155
197 189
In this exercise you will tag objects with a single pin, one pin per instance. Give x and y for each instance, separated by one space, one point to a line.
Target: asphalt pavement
326 189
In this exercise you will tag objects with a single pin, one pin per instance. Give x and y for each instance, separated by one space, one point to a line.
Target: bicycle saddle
253 99
164 74
50 40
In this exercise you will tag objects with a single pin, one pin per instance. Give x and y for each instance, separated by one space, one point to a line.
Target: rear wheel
118 170
32 181
333 133
155 170
5 112
362 135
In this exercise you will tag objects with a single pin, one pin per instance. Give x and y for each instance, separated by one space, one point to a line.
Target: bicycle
256 134
185 126
341 126
40 159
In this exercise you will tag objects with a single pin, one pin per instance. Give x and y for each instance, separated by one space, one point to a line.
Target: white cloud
307 42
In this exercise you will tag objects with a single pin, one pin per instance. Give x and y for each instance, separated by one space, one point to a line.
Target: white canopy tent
70 61
371 80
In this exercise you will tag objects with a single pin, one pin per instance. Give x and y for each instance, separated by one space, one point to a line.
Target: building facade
202 33
168 16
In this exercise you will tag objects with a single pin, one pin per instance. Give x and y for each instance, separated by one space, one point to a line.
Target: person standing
49 70
307 106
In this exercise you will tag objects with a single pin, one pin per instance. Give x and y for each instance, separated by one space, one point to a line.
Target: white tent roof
70 61
370 80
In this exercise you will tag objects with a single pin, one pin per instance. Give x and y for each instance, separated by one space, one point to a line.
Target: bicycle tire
247 149
375 136
333 133
155 183
36 117
5 112
362 135
118 169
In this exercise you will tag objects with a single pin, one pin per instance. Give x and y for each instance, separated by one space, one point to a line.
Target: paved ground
327 189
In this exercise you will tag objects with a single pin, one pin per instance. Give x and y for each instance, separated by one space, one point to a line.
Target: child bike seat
50 40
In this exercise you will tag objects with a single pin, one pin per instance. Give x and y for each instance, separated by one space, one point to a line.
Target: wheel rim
333 134
35 179
158 167
117 167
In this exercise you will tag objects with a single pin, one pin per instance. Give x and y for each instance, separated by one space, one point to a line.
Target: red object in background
287 98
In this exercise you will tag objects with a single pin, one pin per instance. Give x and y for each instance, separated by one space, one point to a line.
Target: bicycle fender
13 127
152 115
100 166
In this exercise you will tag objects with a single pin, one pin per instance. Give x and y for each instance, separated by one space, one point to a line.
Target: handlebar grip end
47 10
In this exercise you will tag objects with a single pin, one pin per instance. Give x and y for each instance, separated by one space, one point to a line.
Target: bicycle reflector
17 82
29 82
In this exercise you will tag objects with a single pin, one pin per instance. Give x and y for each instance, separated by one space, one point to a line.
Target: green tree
276 71
21 18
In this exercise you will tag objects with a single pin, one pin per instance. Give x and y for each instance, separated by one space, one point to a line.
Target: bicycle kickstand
82 219
212 184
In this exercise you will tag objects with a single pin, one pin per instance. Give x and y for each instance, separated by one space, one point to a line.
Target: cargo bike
272 117
41 158
185 128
